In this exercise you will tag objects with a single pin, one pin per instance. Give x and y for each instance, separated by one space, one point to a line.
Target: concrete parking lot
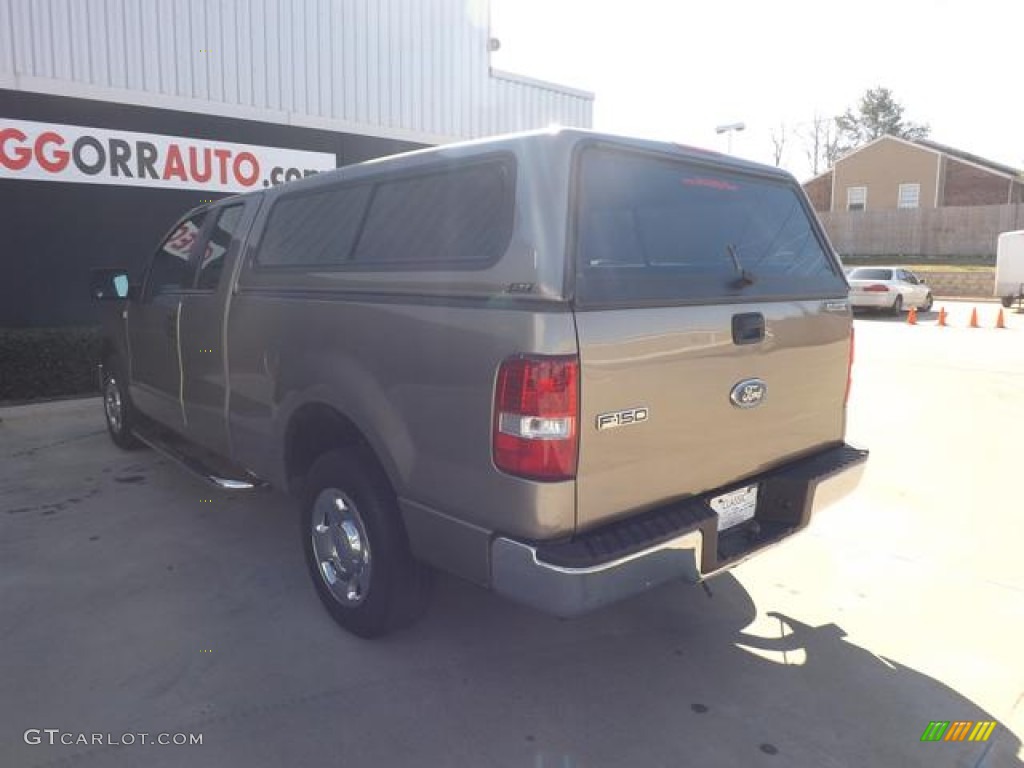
134 599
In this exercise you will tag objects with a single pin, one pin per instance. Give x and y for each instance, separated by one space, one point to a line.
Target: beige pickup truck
562 365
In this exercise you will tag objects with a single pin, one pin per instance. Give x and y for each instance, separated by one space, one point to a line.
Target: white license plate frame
735 507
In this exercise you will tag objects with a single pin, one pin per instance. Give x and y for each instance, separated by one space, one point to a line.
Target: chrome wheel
341 547
113 406
355 546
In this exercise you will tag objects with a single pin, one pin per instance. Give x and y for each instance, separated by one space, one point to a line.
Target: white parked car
888 288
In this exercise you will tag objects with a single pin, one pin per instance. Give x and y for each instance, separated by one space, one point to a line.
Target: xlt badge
622 418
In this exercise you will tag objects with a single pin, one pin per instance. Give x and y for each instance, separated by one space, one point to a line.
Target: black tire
118 411
1007 301
928 302
348 496
897 305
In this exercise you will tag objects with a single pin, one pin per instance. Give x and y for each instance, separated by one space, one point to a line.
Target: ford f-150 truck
562 365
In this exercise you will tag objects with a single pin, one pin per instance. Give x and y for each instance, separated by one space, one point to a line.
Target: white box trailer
1010 268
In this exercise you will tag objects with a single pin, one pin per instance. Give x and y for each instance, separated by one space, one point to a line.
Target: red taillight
536 404
849 369
876 288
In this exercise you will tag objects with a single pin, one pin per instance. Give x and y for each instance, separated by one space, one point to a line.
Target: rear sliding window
652 229
448 218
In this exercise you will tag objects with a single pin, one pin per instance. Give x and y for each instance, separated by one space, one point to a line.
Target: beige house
891 173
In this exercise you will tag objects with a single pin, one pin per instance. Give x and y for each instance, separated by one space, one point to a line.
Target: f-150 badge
622 418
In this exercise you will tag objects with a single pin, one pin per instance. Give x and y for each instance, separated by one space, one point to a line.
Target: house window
856 198
910 195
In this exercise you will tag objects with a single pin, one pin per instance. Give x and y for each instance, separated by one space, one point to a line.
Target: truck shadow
692 676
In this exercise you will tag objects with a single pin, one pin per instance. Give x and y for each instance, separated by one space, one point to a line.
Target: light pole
729 129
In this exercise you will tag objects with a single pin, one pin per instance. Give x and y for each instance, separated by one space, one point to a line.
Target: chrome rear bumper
676 543
519 574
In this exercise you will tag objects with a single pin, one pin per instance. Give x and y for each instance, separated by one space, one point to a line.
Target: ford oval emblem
749 393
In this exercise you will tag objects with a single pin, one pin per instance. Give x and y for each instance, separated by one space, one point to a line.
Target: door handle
748 328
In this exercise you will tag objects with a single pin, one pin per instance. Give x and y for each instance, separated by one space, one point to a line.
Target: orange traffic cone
974 318
1000 323
942 317
912 316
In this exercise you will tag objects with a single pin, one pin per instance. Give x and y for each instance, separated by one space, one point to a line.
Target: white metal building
416 70
118 112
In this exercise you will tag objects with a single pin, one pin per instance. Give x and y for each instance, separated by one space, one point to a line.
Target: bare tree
779 143
831 149
820 142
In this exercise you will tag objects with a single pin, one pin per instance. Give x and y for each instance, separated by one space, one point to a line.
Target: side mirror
109 285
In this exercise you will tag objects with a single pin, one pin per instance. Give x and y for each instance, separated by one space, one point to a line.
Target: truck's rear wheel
117 409
1006 301
356 547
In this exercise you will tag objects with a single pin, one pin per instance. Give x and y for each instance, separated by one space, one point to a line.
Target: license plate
735 507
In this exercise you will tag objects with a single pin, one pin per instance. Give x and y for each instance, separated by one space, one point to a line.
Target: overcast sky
674 69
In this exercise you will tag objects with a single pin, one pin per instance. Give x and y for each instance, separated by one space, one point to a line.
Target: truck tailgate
713 327
676 367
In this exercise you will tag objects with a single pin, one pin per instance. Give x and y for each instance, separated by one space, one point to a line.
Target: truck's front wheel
356 547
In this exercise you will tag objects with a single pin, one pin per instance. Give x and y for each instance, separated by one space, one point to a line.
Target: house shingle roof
934 146
959 154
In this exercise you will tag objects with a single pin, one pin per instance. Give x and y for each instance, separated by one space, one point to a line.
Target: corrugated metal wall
410 67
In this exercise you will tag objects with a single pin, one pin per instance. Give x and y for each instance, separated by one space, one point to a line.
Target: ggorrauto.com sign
78 154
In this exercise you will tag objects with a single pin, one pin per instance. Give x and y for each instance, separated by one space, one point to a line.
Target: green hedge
48 362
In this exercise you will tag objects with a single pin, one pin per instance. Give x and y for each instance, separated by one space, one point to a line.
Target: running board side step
196 460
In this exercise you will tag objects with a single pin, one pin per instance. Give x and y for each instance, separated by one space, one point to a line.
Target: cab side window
215 249
170 271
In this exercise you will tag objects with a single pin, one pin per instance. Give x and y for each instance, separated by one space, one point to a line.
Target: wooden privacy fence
923 232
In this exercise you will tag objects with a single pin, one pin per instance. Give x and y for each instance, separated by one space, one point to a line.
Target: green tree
878 114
